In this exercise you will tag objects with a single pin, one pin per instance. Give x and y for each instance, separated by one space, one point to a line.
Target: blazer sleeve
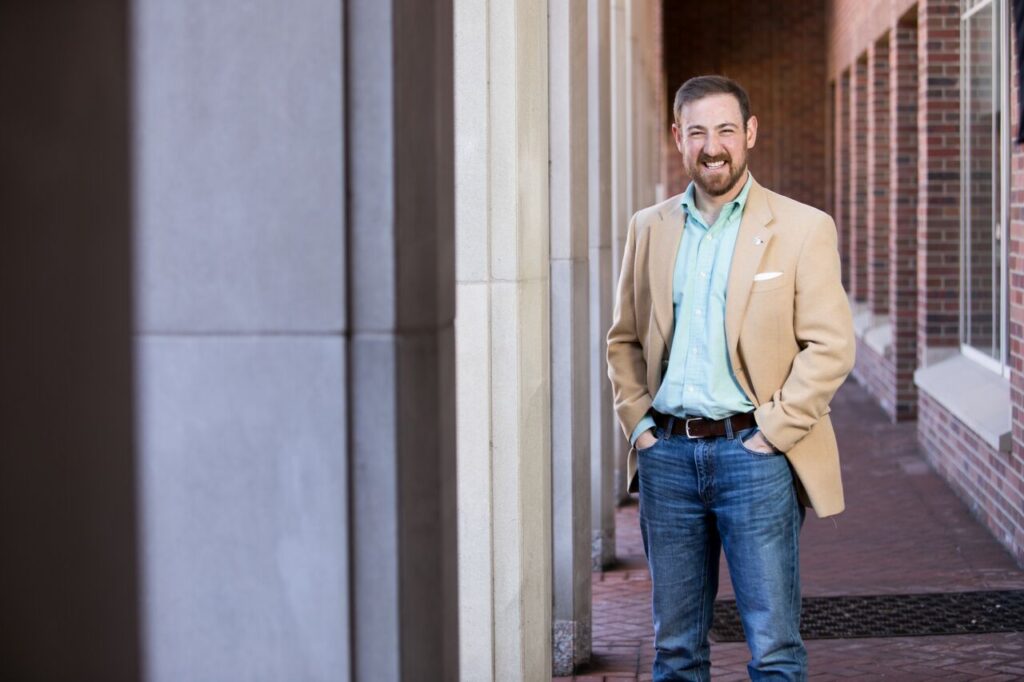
627 367
823 326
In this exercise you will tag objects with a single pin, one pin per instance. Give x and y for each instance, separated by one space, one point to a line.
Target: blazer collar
751 244
662 259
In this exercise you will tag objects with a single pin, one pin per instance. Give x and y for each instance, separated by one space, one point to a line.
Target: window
985 171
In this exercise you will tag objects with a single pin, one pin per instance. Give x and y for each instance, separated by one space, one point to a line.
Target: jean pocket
658 434
749 433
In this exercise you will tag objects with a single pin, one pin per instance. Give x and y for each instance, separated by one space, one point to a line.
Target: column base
602 549
571 646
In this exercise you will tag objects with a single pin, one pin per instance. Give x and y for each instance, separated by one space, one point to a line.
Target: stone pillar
631 105
858 281
903 211
503 339
241 340
877 222
570 328
621 207
296 351
69 580
604 431
938 186
400 132
842 173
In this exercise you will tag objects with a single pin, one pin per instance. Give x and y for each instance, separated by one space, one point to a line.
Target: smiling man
731 334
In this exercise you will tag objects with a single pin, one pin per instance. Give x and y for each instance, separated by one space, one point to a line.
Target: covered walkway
904 532
305 308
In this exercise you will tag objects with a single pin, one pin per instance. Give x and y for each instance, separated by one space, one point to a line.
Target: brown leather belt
698 427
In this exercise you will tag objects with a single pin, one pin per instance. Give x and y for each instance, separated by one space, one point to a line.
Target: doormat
902 615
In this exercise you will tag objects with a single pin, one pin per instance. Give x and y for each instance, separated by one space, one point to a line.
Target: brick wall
853 24
759 44
989 482
841 171
877 218
903 211
938 203
858 175
875 372
912 49
1015 463
884 105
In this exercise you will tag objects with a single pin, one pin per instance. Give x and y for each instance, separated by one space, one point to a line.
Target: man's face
713 141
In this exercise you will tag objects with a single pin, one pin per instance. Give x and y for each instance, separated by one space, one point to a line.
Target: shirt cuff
645 424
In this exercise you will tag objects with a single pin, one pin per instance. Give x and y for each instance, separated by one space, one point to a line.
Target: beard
716 183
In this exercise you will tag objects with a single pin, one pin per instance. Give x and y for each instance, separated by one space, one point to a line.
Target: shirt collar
739 203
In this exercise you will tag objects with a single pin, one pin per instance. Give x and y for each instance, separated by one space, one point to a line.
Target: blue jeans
697 497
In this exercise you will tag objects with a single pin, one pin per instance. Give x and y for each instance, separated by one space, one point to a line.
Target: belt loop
671 425
728 428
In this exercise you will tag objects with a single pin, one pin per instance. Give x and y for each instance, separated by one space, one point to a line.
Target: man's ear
677 135
751 131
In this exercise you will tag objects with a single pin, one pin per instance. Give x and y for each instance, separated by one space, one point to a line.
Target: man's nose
712 146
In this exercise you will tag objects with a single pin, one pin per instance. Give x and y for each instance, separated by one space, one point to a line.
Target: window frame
1001 132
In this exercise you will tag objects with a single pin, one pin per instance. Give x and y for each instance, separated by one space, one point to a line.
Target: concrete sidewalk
904 531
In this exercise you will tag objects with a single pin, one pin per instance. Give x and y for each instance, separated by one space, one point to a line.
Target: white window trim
999 366
975 396
986 361
980 4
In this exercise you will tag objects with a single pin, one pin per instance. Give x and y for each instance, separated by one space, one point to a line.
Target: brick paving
904 531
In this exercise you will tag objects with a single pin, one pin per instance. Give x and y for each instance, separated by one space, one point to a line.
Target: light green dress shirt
699 381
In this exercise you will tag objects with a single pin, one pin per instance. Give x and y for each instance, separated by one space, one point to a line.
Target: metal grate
904 615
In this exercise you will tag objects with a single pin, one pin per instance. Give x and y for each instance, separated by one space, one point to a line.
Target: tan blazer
790 337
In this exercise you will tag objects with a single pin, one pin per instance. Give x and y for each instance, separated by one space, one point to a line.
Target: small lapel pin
758 241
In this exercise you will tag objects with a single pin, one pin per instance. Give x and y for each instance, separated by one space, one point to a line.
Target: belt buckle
688 420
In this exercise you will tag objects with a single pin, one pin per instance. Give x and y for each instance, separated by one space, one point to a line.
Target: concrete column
604 431
636 151
400 132
621 207
241 340
296 353
570 328
503 339
903 211
630 105
69 581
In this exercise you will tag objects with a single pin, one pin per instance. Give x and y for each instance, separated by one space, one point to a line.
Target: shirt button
704 275
690 389
698 311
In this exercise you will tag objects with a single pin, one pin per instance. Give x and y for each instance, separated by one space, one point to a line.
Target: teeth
714 164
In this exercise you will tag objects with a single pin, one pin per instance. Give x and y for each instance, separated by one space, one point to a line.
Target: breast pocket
769 284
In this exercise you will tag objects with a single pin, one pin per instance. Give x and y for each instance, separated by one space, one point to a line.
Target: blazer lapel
751 243
663 249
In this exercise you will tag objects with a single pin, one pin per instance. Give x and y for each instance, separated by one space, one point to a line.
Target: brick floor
903 531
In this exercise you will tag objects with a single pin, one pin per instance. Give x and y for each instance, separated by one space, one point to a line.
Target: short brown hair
700 87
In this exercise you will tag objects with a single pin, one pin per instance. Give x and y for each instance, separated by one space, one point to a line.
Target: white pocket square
761 276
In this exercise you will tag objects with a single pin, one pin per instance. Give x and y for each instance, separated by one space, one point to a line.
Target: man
731 334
